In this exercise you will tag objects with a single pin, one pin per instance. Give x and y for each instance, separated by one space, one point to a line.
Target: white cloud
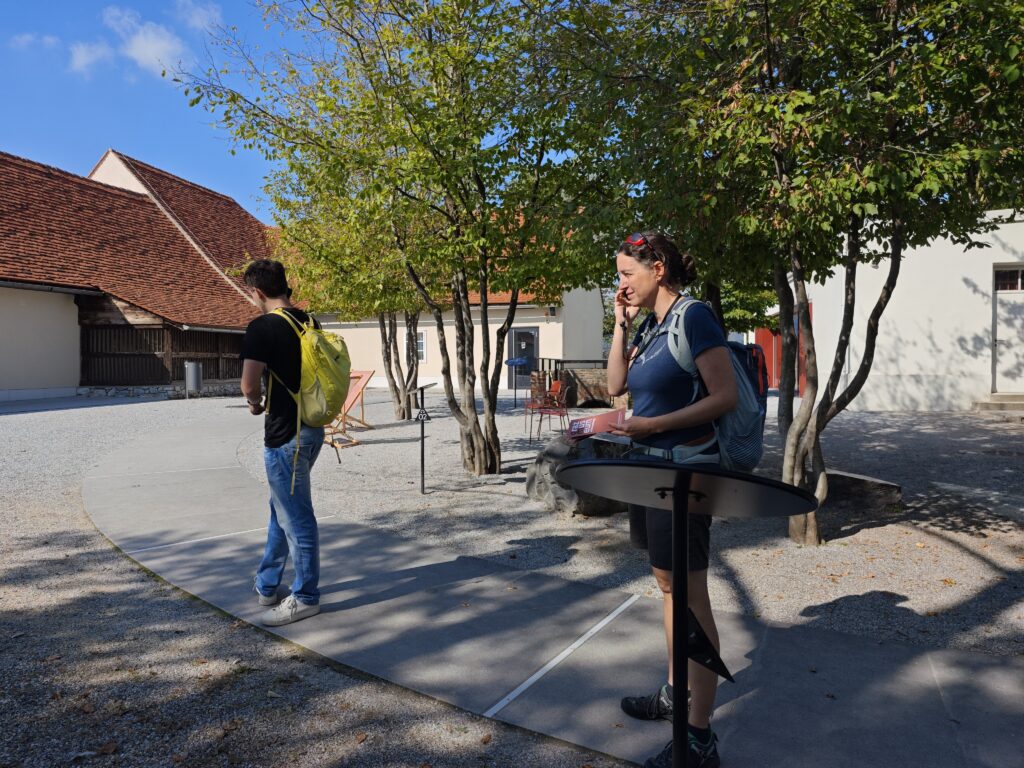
23 41
28 39
124 21
85 55
201 17
152 46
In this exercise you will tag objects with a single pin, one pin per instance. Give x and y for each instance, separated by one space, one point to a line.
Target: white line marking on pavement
208 538
164 472
560 657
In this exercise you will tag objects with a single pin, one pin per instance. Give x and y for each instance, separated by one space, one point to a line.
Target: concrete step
1007 397
1005 403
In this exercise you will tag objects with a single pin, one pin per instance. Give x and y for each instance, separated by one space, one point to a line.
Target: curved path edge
540 652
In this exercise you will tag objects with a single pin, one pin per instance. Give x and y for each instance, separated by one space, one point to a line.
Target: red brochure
590 425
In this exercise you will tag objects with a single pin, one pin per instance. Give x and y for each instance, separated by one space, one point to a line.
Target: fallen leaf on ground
107 749
361 737
949 582
486 739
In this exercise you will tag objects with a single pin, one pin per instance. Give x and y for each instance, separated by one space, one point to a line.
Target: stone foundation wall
173 391
582 385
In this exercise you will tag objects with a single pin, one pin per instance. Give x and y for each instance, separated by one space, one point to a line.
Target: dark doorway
522 343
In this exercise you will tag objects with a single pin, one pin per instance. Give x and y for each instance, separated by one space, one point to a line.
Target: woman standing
672 418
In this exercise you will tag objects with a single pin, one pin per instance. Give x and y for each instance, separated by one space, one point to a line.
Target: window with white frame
421 346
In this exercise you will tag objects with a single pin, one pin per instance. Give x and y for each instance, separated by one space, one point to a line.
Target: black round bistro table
687 490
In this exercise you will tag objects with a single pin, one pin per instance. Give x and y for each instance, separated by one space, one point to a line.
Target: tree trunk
787 336
476 455
412 360
803 529
712 294
393 364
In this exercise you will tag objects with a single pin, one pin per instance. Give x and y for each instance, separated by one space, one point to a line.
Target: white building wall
934 347
582 315
39 344
112 170
363 340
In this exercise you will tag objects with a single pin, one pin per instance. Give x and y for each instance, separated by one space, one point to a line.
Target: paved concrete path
547 654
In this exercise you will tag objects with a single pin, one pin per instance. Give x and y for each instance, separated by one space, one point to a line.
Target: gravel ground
103 664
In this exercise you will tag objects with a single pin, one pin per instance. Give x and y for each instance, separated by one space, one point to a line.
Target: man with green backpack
306 374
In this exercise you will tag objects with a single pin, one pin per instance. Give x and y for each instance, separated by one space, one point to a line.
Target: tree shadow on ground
117 666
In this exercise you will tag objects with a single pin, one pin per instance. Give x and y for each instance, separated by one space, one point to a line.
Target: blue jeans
292 530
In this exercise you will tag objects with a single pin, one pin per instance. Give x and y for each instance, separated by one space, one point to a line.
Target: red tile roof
229 234
57 228
501 297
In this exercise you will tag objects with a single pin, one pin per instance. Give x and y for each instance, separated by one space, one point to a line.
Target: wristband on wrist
257 402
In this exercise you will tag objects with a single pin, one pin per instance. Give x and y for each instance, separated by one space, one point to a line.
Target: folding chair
336 433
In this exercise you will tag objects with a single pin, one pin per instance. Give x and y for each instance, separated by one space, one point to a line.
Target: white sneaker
287 611
265 600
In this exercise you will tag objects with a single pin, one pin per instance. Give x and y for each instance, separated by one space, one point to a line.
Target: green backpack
323 384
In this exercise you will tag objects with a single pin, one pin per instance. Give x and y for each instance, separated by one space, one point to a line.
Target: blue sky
80 76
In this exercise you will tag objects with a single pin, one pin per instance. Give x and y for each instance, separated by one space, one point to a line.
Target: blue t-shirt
657 382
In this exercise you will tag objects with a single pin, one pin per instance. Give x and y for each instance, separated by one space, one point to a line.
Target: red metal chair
551 403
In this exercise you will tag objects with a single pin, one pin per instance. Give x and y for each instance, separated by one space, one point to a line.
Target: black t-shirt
271 339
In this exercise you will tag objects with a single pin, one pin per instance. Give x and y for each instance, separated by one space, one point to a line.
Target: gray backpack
740 432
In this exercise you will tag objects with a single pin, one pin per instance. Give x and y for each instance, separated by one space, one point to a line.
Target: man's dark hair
267 275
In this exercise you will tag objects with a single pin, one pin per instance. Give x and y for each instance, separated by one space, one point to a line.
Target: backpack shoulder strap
678 344
295 327
291 320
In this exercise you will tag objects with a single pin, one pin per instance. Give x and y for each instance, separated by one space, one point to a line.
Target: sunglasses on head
638 239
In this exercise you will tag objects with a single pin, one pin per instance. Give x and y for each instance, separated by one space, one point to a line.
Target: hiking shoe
657 706
702 755
661 760
287 611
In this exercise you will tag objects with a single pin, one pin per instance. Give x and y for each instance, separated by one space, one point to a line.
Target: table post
680 582
423 417
423 449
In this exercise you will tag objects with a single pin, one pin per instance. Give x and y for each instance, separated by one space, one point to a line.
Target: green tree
437 113
324 241
870 128
792 140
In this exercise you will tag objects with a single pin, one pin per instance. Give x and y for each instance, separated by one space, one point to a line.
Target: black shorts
651 529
